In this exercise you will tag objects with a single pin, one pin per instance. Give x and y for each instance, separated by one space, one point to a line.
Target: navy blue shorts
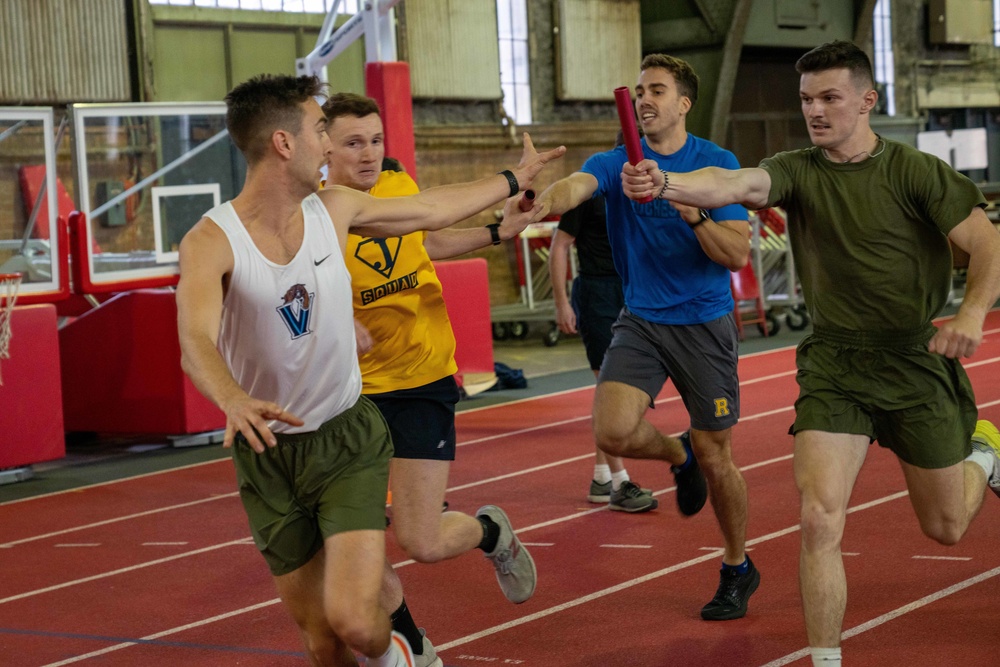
421 420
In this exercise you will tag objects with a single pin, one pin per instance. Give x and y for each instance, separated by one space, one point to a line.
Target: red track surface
160 570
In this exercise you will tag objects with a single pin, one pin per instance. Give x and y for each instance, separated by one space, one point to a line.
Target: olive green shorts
889 387
314 485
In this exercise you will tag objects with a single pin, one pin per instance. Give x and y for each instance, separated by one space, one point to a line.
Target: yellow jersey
397 296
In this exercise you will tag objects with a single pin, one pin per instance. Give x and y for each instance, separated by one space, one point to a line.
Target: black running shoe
733 596
692 491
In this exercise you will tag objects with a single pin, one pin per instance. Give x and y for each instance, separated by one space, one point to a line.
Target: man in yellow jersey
408 372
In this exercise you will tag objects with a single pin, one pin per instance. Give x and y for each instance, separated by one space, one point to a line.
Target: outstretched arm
205 259
710 187
567 193
445 243
434 208
961 336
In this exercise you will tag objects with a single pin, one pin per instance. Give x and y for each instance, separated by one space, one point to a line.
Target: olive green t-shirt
870 238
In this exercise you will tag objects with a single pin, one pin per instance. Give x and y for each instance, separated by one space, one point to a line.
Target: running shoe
630 498
987 439
692 490
599 493
429 656
513 564
734 593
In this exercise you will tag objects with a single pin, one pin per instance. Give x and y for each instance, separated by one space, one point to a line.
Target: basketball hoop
9 284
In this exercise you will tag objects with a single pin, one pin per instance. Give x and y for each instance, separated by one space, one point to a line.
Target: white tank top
287 331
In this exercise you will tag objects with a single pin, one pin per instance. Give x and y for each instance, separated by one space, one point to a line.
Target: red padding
389 85
466 288
31 413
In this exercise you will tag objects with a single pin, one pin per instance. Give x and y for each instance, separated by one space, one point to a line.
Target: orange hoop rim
11 276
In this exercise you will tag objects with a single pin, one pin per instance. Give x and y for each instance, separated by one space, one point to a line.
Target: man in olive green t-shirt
870 222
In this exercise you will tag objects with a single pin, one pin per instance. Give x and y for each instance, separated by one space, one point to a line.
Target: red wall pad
389 85
31 413
466 288
121 370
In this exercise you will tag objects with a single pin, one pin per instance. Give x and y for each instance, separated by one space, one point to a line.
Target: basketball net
9 284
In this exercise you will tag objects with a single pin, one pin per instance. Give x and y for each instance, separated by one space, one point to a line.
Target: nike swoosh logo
320 261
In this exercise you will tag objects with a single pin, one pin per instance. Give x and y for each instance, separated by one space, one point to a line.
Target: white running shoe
429 657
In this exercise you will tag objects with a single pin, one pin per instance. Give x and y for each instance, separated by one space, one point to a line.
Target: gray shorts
700 359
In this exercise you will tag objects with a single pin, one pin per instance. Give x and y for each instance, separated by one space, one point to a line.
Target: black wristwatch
702 217
494 232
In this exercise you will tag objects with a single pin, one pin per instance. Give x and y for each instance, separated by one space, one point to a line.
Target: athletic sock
825 657
602 473
982 459
491 533
742 568
690 454
402 622
617 478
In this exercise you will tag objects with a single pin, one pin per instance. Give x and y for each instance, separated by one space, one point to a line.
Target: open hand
249 416
532 162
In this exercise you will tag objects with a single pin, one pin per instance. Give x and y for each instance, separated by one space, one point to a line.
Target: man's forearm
208 371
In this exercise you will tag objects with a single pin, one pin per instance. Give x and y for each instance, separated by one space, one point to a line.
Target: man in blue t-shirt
677 322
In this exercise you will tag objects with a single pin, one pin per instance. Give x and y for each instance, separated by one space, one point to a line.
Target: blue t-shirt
666 276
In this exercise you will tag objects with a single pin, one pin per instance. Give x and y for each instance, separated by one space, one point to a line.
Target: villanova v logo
378 255
295 313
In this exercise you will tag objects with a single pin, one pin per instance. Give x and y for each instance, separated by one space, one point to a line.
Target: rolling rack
771 254
536 303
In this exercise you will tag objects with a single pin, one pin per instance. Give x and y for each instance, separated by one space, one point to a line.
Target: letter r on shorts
721 407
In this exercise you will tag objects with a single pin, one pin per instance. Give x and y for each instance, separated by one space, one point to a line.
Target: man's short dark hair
258 107
839 55
349 104
683 73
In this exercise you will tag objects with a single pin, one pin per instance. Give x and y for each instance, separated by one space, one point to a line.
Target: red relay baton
626 114
527 201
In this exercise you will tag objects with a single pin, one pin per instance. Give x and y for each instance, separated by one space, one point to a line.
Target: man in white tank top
266 331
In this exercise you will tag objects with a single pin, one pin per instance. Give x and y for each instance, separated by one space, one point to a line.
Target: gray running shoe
630 498
599 493
515 569
429 657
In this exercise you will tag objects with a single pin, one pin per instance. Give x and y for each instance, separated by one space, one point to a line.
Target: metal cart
771 254
536 303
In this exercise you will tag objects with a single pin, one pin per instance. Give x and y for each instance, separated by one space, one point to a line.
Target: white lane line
522 472
635 582
538 544
941 558
164 544
77 489
81 544
892 615
123 570
572 420
850 553
627 546
126 517
165 633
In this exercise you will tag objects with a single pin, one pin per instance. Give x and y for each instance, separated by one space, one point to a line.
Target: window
512 29
885 65
312 6
996 22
